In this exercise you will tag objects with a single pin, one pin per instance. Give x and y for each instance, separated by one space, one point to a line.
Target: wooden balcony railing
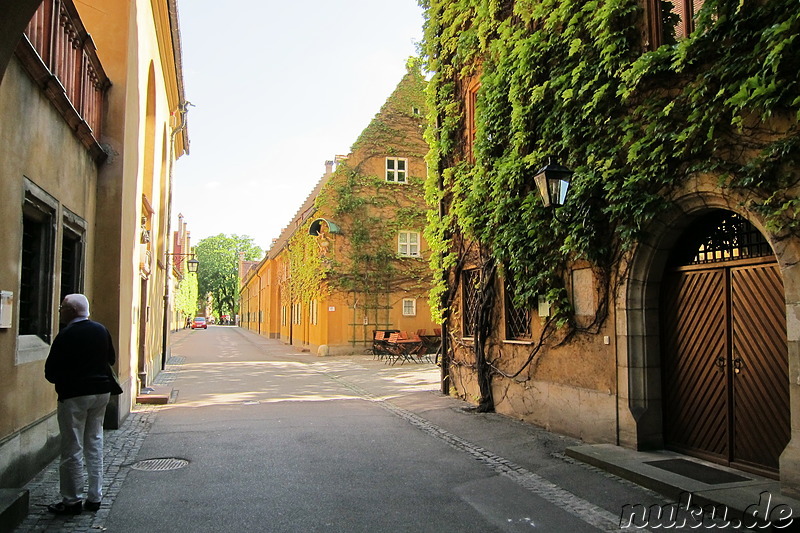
61 57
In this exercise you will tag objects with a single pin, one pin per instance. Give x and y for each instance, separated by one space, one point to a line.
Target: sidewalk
120 448
506 445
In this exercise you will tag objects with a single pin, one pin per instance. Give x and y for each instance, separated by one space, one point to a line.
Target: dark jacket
80 361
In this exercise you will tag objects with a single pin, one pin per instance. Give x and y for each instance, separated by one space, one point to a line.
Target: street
260 437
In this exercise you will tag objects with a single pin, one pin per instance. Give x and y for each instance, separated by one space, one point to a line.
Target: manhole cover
160 465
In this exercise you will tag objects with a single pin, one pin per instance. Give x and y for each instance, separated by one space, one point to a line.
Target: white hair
78 303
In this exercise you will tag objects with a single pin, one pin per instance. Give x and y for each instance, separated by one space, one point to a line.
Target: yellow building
91 120
353 259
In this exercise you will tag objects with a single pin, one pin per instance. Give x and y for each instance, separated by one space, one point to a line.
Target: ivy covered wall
578 82
359 263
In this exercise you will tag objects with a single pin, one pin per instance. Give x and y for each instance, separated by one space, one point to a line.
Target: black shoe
91 506
65 509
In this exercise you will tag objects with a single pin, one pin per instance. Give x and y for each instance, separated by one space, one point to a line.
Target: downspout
444 374
183 108
259 301
289 299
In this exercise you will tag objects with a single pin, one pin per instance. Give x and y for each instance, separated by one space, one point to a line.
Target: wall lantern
192 265
553 183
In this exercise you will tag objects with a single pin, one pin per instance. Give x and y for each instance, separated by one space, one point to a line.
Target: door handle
721 363
738 364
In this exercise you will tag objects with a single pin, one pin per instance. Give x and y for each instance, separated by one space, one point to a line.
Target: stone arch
639 357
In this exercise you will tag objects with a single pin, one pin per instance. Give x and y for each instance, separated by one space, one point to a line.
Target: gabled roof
370 134
302 214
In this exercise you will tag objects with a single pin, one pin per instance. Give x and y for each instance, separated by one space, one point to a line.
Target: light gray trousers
80 421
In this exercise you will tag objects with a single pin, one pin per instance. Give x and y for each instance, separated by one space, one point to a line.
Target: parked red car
199 322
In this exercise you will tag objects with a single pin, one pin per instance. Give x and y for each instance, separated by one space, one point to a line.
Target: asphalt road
282 441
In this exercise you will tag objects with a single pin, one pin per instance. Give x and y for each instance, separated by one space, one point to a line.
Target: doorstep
155 395
13 508
675 476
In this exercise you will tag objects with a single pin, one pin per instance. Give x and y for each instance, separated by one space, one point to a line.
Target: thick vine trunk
482 333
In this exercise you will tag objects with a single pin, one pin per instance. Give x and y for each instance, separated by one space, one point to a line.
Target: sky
277 88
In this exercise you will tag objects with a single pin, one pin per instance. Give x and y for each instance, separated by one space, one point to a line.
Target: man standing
79 365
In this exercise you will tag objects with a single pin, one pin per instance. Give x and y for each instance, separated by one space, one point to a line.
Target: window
71 261
72 254
470 293
396 169
297 313
36 269
717 237
518 320
672 20
408 244
284 316
409 307
313 312
471 120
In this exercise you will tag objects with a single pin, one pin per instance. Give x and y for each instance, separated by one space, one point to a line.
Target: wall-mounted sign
6 308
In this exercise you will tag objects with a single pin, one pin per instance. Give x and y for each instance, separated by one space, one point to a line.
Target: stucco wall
36 143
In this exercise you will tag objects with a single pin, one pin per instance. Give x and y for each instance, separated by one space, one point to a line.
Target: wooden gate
724 352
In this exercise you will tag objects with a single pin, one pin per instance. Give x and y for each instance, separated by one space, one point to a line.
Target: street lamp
192 264
553 182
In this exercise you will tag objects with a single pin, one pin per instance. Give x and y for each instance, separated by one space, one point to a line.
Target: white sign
331 308
6 309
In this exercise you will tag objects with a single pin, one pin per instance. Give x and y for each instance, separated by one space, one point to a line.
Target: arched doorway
724 357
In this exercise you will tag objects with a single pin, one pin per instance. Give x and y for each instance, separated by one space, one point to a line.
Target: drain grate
160 465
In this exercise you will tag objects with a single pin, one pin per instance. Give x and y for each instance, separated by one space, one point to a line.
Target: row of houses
92 119
353 260
652 304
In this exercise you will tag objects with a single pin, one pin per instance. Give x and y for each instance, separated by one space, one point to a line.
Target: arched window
718 237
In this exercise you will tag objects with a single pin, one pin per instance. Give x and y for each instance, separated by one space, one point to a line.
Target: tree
219 269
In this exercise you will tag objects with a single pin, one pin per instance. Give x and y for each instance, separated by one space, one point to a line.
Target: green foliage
370 210
571 80
186 295
218 273
308 267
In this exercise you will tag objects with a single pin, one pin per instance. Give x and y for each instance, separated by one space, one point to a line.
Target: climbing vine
370 210
308 267
574 81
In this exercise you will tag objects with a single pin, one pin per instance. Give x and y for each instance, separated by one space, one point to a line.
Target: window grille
409 307
719 237
470 301
518 320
